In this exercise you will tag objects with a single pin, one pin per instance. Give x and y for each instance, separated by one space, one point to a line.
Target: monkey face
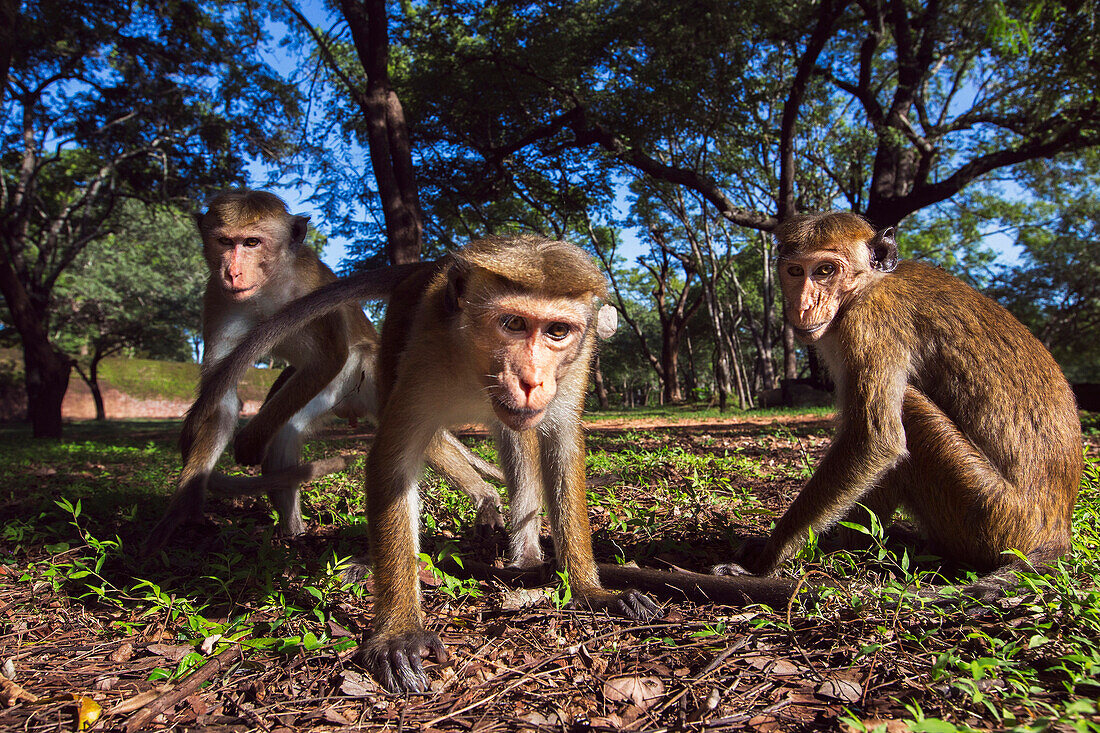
243 258
535 339
815 286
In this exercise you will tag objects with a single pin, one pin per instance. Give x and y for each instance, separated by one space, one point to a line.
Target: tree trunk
670 366
92 380
387 133
47 378
597 382
767 293
9 14
721 378
790 353
691 380
46 370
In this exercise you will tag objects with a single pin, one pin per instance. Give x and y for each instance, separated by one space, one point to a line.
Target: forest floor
233 629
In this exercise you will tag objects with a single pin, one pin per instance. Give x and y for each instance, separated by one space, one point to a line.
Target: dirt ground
519 663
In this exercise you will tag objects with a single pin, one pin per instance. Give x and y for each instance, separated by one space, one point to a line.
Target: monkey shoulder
413 303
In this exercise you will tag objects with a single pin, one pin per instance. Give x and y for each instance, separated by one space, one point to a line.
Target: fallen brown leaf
641 691
843 690
122 654
171 652
137 702
12 694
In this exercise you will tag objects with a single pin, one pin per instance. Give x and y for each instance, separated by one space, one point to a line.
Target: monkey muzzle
811 334
517 418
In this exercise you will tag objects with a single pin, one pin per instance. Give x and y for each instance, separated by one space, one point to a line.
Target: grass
73 514
143 378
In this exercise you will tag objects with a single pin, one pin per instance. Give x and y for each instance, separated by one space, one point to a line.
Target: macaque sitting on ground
946 406
258 262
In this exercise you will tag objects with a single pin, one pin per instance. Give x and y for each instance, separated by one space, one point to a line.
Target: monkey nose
529 386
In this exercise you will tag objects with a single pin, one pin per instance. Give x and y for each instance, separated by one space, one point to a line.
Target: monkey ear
607 321
299 225
199 216
456 288
884 251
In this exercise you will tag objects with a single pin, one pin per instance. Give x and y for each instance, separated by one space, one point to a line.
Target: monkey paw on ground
632 604
489 517
396 660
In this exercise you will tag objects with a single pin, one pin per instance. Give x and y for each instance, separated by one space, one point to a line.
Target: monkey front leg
202 443
520 462
852 468
561 451
394 653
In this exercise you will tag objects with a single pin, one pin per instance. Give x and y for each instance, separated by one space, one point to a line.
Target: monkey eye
558 330
225 241
825 269
252 242
513 324
795 271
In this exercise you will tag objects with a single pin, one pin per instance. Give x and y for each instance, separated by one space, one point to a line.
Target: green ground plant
75 513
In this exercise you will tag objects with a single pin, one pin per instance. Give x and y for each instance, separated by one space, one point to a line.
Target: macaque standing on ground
258 262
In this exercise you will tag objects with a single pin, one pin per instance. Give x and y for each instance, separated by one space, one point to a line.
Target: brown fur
253 248
484 335
442 328
947 406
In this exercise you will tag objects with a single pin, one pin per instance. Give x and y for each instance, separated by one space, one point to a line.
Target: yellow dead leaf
87 712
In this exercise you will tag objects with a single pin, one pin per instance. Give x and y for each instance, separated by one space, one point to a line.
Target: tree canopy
156 100
684 137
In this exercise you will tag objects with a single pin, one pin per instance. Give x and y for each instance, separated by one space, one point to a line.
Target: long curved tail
223 375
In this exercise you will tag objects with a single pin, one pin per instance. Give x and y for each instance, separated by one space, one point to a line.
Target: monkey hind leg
963 503
451 459
487 470
281 464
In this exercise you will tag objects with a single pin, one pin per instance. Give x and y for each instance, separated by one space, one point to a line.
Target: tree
155 100
138 289
887 108
1054 287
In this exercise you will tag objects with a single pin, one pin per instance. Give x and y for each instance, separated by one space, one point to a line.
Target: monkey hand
746 559
632 604
250 445
396 660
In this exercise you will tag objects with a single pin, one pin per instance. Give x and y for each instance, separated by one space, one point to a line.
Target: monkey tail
286 478
223 375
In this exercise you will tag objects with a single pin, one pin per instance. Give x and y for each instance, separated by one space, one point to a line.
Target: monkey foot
356 571
396 660
632 604
489 517
746 559
728 568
